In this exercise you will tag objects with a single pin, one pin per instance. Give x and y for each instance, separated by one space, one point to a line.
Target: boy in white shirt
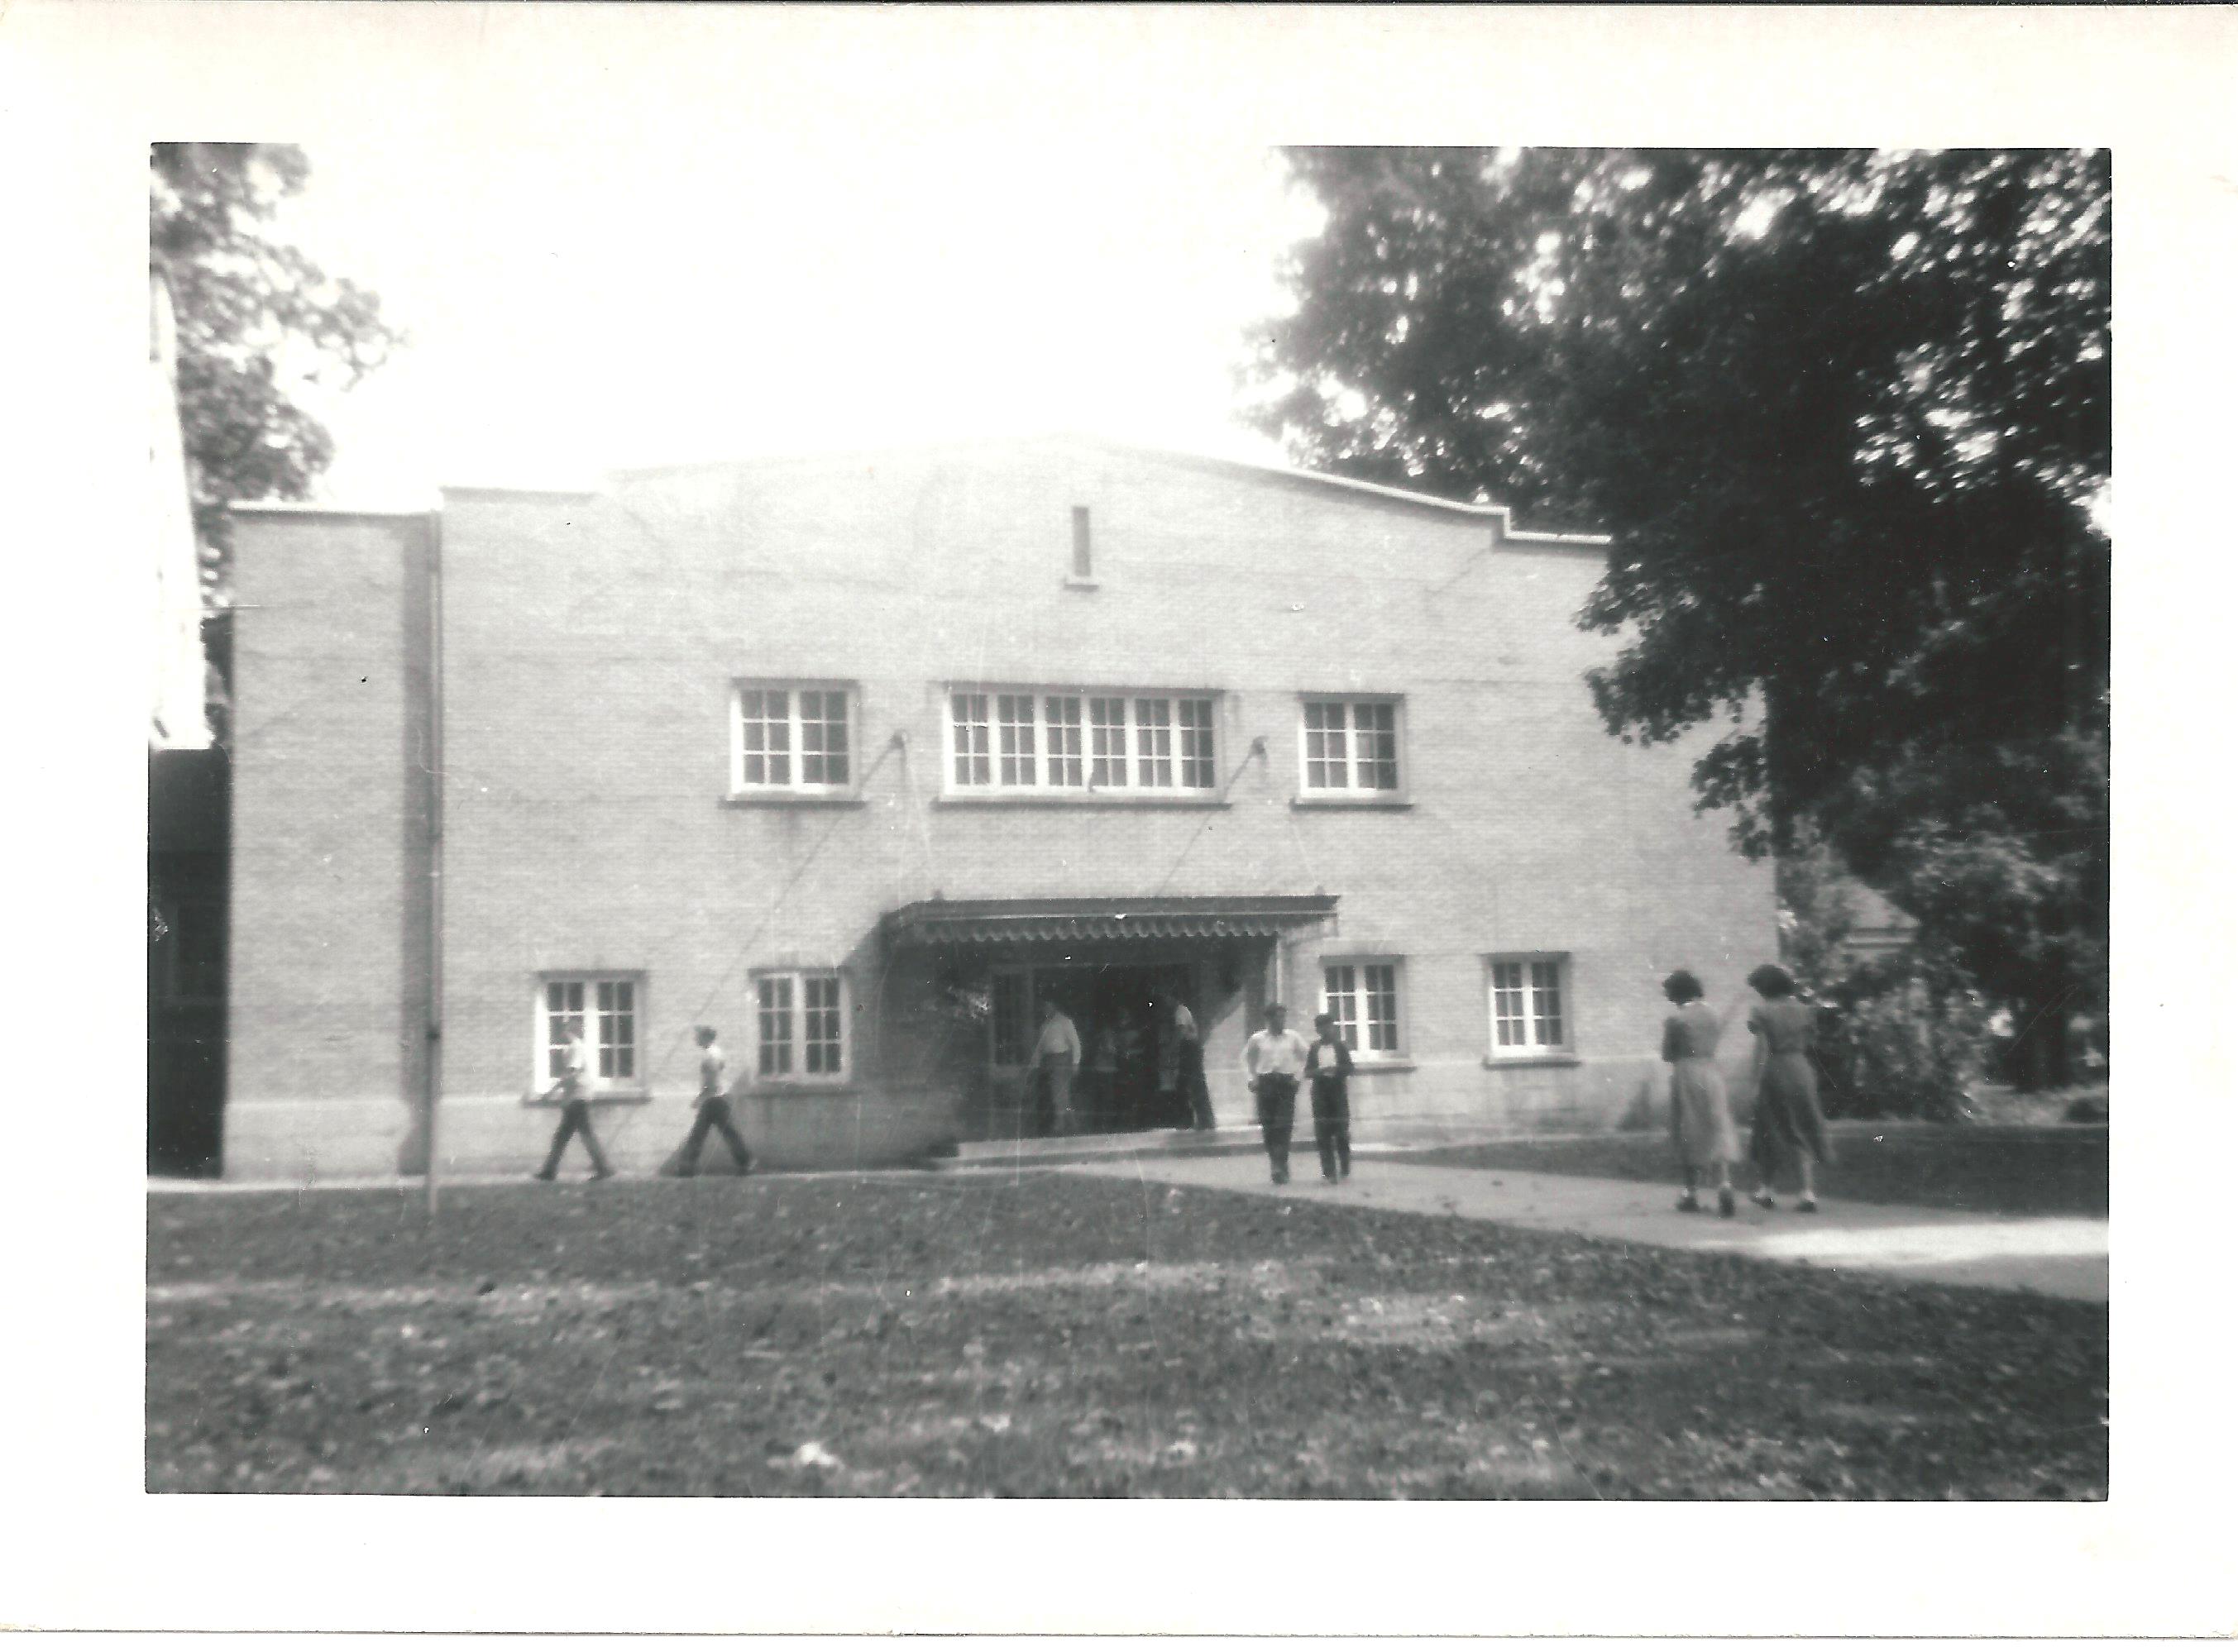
714 1109
1273 1060
573 1090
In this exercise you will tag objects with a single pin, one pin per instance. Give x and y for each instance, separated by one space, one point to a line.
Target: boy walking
573 1090
1328 1063
714 1109
1273 1058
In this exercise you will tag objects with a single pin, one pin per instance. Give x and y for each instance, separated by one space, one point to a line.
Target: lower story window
602 1010
1529 1006
800 1025
1363 995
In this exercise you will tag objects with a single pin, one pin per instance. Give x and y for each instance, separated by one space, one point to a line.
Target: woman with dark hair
1701 1120
1788 1126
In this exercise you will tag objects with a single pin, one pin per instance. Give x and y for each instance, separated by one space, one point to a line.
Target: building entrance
1130 1058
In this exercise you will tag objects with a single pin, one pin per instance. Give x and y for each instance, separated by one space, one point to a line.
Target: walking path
2060 1256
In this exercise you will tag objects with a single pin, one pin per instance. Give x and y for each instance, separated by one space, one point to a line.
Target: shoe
1688 1202
1328 1177
1281 1175
544 1175
602 1175
1806 1205
1764 1199
1724 1201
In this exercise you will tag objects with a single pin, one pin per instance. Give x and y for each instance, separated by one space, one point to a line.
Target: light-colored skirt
1701 1118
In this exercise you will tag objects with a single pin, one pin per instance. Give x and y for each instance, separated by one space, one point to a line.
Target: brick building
856 757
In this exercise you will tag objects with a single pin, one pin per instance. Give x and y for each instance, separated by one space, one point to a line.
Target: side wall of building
333 781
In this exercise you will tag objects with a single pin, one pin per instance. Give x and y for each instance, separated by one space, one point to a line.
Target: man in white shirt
1272 1061
573 1090
714 1109
1057 1057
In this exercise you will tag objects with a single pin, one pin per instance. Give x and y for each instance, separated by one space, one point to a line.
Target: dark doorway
1129 1059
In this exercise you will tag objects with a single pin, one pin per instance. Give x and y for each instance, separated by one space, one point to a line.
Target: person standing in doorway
1273 1058
1100 1078
714 1109
574 1091
1701 1118
1057 1057
1328 1064
1788 1126
1196 1098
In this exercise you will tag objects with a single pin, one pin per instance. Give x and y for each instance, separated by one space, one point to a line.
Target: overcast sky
578 307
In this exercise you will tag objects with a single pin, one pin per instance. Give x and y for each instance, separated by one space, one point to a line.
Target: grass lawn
2019 1172
954 1333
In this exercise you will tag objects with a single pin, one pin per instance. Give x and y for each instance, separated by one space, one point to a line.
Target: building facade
860 758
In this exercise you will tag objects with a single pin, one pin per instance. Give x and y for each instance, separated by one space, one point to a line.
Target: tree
257 321
1846 414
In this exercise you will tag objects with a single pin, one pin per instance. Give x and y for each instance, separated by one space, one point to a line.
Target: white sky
586 304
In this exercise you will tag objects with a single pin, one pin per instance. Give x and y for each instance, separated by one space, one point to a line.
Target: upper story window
791 738
603 1011
1350 747
1530 1006
1043 742
800 1026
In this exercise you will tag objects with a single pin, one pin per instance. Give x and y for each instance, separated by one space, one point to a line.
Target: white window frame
603 1079
1536 969
1355 1013
793 688
1352 705
795 1010
1153 757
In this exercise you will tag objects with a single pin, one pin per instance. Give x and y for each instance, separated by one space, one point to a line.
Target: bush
1892 1049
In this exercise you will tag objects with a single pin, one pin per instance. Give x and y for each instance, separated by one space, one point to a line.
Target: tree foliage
1846 414
257 321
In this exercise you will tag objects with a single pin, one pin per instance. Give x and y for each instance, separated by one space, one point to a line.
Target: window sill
1074 582
794 1087
1554 1058
789 800
1361 1069
1098 800
598 1098
1394 803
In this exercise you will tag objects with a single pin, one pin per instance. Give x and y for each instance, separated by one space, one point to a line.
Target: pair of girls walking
1788 1129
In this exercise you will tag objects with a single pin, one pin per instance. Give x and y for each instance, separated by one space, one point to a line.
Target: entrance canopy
1168 918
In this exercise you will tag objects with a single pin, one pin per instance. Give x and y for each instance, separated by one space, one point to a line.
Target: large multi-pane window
1351 748
1530 1015
800 1025
1027 741
1363 995
790 738
604 1010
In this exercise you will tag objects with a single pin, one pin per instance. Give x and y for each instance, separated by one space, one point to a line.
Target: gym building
860 758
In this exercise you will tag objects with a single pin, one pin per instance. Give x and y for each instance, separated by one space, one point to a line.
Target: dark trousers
1332 1134
715 1115
1278 1113
574 1119
1194 1096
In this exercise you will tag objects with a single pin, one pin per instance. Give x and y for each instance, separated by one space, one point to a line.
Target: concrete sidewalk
2059 1256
